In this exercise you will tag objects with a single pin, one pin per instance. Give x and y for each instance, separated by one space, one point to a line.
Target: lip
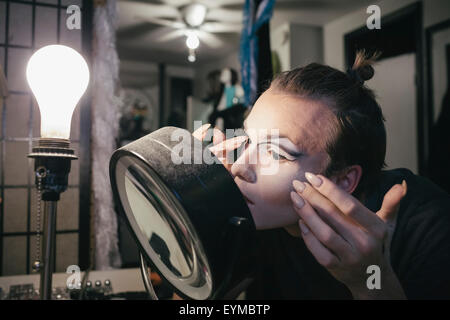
247 200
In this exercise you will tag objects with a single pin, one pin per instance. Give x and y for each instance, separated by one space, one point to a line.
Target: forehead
305 122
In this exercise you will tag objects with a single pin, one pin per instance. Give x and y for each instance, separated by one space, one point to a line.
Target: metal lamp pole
52 166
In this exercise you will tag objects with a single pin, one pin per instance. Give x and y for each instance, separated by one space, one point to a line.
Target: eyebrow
276 141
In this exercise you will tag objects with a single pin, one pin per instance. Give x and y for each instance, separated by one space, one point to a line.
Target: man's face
303 131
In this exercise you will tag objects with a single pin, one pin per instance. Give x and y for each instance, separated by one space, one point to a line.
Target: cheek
275 189
273 208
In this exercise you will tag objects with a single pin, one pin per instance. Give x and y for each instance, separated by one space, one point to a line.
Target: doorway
181 89
397 83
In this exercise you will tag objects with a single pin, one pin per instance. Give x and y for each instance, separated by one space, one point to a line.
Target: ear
348 178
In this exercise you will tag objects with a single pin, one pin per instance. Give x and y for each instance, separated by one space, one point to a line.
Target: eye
275 155
246 143
242 147
278 154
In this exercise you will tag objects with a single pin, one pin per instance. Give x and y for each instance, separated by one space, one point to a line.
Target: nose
243 168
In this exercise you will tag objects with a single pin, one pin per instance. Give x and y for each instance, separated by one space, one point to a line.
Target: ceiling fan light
194 14
192 41
191 58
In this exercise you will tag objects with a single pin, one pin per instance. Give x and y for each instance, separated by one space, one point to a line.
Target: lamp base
52 166
53 147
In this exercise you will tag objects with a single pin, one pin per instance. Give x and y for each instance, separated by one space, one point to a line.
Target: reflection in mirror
161 229
159 233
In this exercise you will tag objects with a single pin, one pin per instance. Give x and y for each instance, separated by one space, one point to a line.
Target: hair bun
365 72
362 69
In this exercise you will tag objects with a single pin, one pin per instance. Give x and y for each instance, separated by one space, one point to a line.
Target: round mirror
186 218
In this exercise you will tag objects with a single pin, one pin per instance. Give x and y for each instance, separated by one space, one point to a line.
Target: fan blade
162 22
209 39
171 35
217 27
236 4
224 15
173 3
133 31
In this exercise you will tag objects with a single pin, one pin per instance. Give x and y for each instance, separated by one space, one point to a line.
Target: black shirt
420 249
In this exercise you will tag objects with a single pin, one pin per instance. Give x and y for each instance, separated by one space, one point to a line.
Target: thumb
391 201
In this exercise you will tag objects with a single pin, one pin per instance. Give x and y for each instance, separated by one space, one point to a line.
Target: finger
218 136
322 231
345 202
391 202
349 229
222 148
201 132
324 256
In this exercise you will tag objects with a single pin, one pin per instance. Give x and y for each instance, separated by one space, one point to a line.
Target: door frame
422 112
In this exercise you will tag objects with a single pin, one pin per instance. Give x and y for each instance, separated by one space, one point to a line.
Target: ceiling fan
197 20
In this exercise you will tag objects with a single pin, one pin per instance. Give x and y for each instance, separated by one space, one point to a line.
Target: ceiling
138 39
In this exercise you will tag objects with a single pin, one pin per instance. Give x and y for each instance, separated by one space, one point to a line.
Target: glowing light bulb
192 41
58 76
191 56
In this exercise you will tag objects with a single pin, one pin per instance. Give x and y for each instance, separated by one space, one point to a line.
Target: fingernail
230 144
303 226
313 179
298 185
240 139
405 187
298 201
205 127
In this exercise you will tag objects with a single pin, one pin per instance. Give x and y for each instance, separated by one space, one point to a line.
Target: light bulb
192 41
58 76
191 56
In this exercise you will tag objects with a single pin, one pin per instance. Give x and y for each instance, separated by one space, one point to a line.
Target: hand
221 147
345 237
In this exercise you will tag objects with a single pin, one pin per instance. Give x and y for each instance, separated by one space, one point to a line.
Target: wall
398 108
138 74
306 45
280 42
434 11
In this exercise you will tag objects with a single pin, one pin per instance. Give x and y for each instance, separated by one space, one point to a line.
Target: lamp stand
52 166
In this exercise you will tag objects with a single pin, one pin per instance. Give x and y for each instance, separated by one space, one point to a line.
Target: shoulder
422 192
420 248
424 199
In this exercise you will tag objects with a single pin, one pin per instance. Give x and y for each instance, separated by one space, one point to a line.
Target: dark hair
359 135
